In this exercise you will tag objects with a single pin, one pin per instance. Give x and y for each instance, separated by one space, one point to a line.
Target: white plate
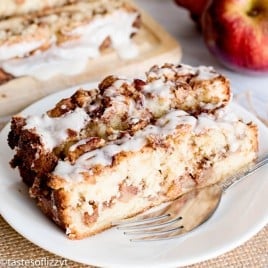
242 213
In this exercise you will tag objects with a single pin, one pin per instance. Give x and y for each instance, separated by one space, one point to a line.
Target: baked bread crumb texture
111 152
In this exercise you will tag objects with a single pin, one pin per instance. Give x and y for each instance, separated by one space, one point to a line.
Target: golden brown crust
80 98
31 167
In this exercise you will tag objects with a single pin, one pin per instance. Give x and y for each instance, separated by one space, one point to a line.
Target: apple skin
195 7
236 32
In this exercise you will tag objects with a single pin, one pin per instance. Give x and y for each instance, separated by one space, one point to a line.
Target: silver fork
185 213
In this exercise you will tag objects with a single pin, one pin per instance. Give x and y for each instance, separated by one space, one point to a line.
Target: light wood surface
155 45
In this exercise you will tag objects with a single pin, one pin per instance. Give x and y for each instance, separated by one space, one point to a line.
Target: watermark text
38 262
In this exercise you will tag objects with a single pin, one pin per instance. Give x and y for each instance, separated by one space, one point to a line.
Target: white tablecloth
178 23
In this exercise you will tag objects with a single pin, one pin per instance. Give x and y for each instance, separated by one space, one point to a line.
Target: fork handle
260 162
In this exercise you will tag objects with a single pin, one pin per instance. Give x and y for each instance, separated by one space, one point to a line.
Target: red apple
195 7
236 32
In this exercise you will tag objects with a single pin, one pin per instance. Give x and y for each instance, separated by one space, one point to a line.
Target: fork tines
150 229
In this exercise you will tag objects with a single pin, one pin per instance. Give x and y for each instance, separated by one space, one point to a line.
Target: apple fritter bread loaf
61 40
112 152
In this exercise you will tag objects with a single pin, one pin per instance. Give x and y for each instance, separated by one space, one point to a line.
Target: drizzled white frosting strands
53 131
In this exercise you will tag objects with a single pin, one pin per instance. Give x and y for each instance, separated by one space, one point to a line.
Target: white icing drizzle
121 103
209 106
72 57
18 49
161 87
205 73
53 131
170 121
205 123
200 72
184 69
79 143
114 89
158 88
226 122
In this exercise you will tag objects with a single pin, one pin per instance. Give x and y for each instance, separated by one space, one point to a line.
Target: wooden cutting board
155 45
